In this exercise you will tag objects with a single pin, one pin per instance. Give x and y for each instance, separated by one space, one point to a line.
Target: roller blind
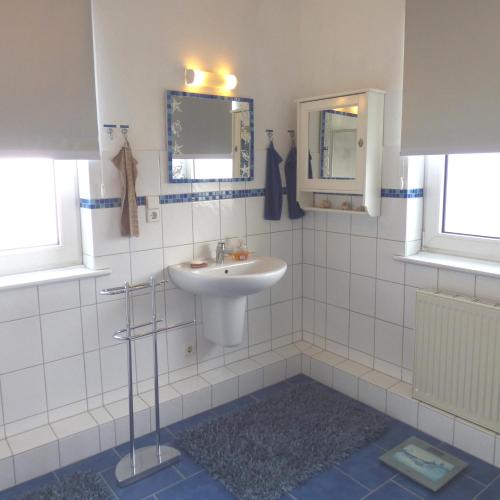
451 89
47 87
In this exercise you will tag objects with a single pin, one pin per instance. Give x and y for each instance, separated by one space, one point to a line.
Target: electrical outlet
189 350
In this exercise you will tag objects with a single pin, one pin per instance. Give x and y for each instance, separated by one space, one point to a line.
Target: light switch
152 208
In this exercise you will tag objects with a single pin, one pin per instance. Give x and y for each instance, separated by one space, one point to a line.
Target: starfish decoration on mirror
176 105
177 148
176 128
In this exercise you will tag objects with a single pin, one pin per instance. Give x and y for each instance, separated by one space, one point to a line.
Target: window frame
433 237
68 251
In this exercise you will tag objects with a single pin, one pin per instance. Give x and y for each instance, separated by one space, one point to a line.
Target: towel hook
270 134
124 129
292 136
109 129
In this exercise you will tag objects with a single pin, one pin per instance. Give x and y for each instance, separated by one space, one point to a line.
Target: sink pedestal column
224 319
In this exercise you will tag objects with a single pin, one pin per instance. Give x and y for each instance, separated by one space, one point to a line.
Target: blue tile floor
362 476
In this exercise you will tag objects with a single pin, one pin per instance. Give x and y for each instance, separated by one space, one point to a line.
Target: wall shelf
335 210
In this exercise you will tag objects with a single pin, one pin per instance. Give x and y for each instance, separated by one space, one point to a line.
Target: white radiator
457 356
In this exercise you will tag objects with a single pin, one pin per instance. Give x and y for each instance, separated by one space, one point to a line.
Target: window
462 206
40 225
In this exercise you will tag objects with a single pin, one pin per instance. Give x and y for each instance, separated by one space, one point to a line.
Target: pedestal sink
223 289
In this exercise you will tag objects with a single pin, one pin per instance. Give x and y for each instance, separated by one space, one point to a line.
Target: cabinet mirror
332 143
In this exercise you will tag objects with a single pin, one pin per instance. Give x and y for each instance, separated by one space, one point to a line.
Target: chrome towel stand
142 462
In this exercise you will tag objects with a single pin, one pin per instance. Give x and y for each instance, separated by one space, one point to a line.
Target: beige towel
127 165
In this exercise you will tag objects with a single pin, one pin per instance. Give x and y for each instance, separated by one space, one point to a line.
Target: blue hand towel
273 197
294 210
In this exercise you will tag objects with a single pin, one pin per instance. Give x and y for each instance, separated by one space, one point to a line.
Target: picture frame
424 463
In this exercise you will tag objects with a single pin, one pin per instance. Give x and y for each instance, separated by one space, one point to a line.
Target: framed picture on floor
424 463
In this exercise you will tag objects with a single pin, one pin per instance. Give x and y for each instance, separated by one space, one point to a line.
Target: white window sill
454 263
49 276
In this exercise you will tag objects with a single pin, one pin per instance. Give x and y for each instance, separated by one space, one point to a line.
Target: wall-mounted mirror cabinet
340 148
209 137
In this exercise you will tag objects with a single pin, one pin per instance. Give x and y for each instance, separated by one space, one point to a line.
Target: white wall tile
338 251
21 344
120 272
320 276
179 306
59 296
259 325
392 220
421 276
320 248
488 288
409 310
402 408
362 295
337 288
18 303
93 373
87 291
61 388
453 281
363 255
114 367
206 221
177 220
23 393
233 218
90 329
476 440
361 332
308 315
283 290
36 462
389 342
390 301
338 223
106 236
177 342
337 324
256 224
79 446
148 172
372 395
146 264
7 478
150 233
320 319
281 246
308 246
408 348
364 226
61 334
110 317
388 268
281 319
435 423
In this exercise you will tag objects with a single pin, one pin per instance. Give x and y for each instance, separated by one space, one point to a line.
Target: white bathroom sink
231 279
223 289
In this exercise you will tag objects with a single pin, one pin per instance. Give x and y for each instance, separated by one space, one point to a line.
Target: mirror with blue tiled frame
210 138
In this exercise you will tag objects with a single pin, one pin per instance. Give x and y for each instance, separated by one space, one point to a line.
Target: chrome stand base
147 462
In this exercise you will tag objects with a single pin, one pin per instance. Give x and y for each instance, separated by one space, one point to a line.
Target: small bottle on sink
240 253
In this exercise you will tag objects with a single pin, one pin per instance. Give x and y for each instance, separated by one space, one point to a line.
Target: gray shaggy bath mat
79 486
272 445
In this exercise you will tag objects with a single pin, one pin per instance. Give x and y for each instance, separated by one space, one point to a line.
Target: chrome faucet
220 252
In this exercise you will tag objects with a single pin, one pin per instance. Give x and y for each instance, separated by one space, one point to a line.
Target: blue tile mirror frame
210 138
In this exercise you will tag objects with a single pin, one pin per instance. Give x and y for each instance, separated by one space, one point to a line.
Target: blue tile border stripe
178 198
402 193
225 195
